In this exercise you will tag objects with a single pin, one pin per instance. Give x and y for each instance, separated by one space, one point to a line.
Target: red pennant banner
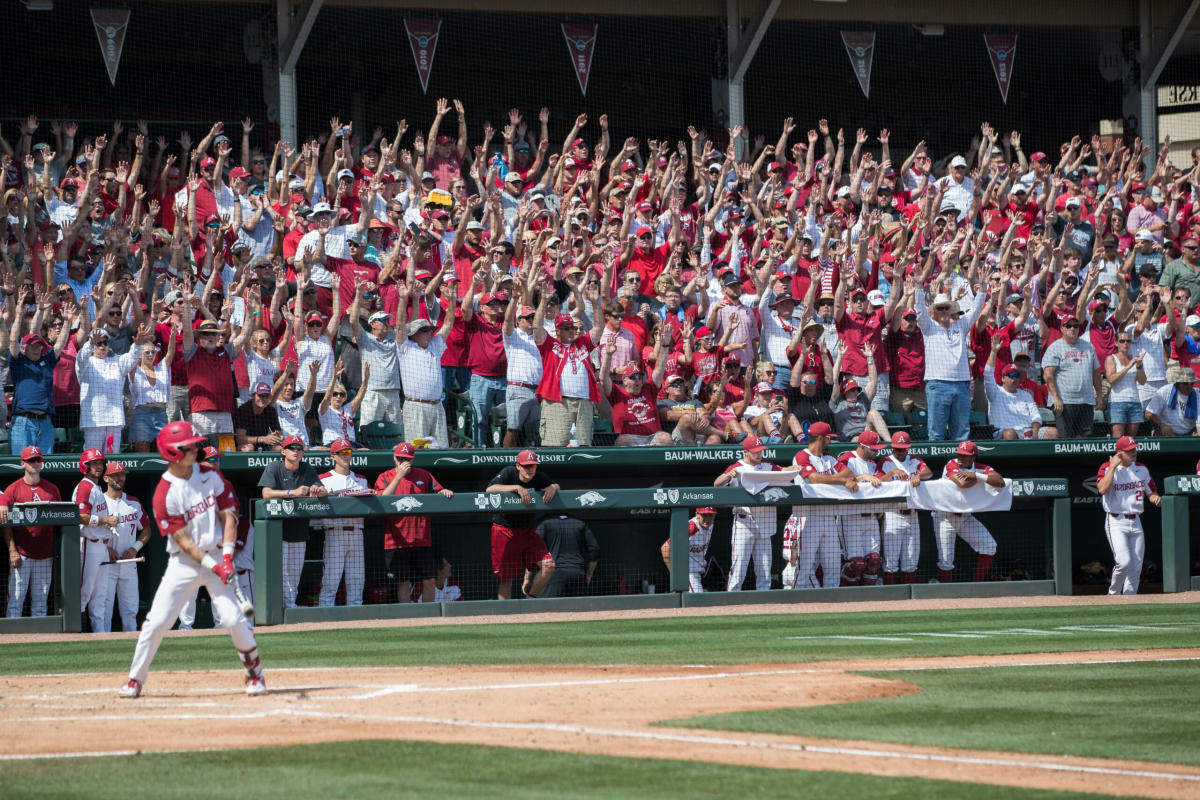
860 46
111 25
1002 50
423 39
581 41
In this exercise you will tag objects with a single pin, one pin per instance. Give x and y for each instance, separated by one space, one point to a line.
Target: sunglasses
114 313
1012 375
315 324
1124 341
337 394
1070 326
37 460
294 447
770 372
809 382
344 453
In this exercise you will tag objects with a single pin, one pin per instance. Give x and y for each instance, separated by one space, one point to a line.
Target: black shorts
411 564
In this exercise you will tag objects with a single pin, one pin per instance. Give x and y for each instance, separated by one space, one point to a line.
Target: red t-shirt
210 380
981 345
906 354
1103 338
411 530
347 270
457 340
32 541
857 330
485 347
637 328
557 357
708 364
635 414
649 264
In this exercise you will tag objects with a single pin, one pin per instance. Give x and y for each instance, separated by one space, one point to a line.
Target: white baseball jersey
1130 487
910 464
953 467
698 538
89 496
194 503
857 465
345 485
740 464
131 518
809 462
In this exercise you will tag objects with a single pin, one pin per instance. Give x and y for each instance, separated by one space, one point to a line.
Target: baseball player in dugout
119 582
860 527
515 544
95 537
196 508
30 547
816 526
901 528
753 526
965 472
1125 484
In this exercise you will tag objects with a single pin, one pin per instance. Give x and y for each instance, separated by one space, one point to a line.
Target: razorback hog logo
774 494
591 498
407 504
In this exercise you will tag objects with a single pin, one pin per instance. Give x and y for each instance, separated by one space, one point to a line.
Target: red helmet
89 455
175 435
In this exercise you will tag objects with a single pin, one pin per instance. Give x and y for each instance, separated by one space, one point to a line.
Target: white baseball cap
322 208
1192 320
958 161
1144 236
942 299
876 298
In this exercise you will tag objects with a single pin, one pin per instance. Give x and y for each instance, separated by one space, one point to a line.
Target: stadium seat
919 420
381 435
980 428
896 421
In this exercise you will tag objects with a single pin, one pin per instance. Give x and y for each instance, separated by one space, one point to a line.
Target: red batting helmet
89 455
174 436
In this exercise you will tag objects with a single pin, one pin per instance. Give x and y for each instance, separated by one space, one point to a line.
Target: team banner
1002 50
111 25
944 494
423 39
581 41
860 46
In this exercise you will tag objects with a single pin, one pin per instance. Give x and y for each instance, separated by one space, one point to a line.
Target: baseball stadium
587 399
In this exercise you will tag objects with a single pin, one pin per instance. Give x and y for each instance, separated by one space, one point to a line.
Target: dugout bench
65 517
680 502
1179 493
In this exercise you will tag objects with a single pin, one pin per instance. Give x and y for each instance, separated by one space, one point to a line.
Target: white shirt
309 350
1131 485
131 518
337 424
291 417
90 499
193 503
349 484
1016 410
101 387
776 332
1150 343
1171 414
959 194
946 348
335 245
421 369
524 360
141 391
260 369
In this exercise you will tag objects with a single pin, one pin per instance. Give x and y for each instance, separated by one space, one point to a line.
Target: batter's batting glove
225 570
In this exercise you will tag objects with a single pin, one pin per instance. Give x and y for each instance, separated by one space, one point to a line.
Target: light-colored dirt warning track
598 710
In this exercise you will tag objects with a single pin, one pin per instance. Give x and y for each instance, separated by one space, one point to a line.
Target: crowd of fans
701 291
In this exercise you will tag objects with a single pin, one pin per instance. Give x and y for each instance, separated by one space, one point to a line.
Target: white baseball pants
343 554
92 553
32 578
179 582
820 542
1128 545
695 570
753 527
245 579
119 582
791 552
946 526
293 565
860 534
901 541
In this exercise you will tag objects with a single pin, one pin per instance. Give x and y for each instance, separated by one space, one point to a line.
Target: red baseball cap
901 440
527 458
871 439
291 440
404 450
314 316
1124 443
753 444
238 172
966 449
706 510
525 311
32 451
114 468
849 384
703 332
821 429
207 161
340 444
564 321
632 368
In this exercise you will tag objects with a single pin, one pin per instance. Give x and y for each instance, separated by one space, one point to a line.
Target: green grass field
1146 711
390 769
707 640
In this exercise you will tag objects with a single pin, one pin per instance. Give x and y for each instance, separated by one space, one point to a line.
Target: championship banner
944 494
423 39
581 41
111 25
1002 49
860 46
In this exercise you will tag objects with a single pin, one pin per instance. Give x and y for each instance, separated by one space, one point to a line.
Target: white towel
944 495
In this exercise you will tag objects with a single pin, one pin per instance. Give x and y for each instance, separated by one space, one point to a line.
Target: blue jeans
485 393
949 406
27 430
455 379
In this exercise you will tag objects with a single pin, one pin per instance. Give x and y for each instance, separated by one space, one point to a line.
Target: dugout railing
65 601
1178 559
1050 495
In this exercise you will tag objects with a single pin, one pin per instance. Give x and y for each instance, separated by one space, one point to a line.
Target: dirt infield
597 710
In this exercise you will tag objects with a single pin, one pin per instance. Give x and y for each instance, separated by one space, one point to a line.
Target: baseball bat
135 560
246 606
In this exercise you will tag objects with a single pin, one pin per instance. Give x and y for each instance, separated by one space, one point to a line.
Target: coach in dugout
515 544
